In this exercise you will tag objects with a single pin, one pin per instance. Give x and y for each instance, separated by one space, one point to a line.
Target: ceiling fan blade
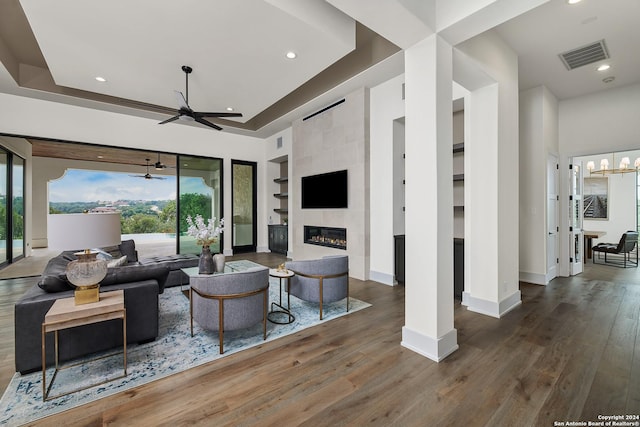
182 103
199 114
170 120
206 123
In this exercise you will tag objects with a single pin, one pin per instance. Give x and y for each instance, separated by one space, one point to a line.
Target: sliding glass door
11 207
17 207
4 204
199 193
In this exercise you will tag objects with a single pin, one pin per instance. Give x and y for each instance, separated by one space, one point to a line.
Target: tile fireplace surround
326 236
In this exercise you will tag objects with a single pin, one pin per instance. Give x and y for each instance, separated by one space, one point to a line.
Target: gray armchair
321 280
230 301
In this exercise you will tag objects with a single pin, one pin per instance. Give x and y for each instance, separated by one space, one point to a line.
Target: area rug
173 351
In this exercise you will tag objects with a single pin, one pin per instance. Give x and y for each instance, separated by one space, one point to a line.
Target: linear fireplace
326 236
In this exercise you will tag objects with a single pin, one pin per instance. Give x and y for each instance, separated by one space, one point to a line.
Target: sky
90 186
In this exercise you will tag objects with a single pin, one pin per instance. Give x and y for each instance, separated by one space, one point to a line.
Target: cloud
90 186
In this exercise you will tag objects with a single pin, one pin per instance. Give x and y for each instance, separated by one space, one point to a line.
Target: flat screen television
327 190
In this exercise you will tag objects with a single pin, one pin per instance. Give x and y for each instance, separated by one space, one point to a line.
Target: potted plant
206 234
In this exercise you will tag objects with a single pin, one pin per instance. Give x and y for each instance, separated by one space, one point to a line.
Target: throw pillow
114 251
117 262
128 248
102 254
54 277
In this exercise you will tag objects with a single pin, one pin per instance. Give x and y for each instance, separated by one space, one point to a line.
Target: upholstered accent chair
320 280
624 247
230 301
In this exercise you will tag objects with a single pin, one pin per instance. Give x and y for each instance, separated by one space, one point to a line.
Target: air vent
279 142
585 55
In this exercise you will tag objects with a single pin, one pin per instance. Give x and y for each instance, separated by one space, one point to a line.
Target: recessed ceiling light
604 67
229 108
573 1
101 79
608 79
100 157
291 55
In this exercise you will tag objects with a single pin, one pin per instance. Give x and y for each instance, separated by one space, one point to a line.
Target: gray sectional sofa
142 281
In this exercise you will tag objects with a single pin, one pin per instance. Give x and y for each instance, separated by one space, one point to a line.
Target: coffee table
282 274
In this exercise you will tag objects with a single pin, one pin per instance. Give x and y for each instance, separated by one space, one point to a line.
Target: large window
200 193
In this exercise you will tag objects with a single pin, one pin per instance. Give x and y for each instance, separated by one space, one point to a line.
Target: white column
428 326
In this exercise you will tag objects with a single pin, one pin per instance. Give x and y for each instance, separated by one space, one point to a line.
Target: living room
515 148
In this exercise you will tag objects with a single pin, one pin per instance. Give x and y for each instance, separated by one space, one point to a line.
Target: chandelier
623 167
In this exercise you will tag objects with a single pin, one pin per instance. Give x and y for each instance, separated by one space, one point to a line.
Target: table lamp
83 232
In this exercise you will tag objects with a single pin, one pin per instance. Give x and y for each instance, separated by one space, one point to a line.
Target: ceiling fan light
186 118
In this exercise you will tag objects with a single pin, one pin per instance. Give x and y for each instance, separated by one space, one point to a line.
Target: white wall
538 139
386 106
492 180
334 140
604 121
32 117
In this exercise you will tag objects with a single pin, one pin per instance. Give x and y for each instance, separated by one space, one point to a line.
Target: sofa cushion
54 277
114 251
175 262
137 273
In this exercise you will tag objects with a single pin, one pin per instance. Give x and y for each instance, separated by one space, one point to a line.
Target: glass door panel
3 207
244 206
199 192
17 206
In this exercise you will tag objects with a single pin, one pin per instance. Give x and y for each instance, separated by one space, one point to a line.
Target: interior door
244 203
552 217
575 222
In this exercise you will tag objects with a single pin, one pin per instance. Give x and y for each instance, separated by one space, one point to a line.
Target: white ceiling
237 48
540 35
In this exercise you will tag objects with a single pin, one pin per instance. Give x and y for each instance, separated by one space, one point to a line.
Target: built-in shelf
281 211
458 177
281 195
458 148
281 179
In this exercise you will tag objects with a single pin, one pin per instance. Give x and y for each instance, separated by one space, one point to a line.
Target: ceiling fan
159 165
148 175
186 113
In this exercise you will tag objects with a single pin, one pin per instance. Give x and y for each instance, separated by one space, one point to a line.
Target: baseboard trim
535 278
435 349
384 278
262 249
492 308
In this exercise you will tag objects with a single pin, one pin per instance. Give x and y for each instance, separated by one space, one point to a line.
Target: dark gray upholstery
624 247
209 292
142 281
308 288
175 263
141 303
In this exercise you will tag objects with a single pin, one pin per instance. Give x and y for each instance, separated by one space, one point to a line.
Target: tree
193 204
167 217
141 223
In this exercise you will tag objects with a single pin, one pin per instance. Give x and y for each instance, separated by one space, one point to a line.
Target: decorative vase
206 265
218 260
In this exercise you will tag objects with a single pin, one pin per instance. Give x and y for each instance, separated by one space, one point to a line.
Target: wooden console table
588 242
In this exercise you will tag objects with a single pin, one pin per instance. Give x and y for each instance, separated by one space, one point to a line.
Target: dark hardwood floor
571 352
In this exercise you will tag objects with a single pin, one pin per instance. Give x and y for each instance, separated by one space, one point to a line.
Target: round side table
281 274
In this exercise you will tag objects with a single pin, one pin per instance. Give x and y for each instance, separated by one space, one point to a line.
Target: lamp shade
83 231
591 165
